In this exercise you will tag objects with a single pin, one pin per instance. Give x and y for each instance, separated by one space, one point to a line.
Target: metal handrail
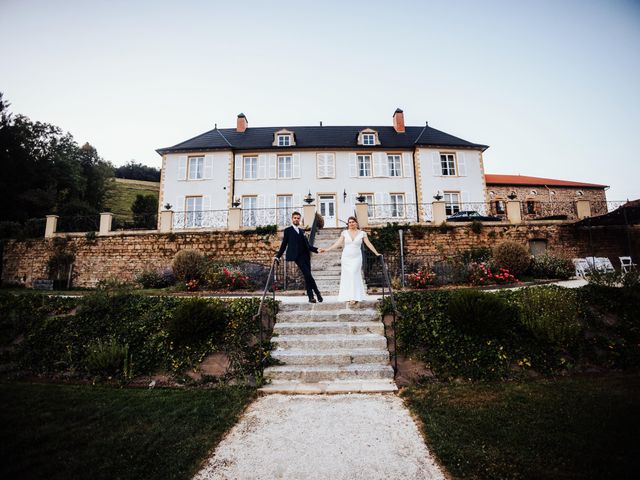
257 316
395 312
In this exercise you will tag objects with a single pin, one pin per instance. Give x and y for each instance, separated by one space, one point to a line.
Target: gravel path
323 437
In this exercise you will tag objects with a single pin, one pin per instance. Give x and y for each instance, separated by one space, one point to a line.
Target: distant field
118 200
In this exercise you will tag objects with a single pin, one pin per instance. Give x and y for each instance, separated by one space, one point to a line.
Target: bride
351 286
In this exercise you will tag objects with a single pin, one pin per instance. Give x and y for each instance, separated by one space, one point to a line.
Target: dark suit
298 250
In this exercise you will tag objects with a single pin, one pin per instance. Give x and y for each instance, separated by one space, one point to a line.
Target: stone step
328 328
364 315
319 373
332 357
336 386
329 342
325 306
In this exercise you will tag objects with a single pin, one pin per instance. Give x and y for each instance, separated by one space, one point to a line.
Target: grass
580 428
63 431
118 199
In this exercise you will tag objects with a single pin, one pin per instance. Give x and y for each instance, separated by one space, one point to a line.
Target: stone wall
125 256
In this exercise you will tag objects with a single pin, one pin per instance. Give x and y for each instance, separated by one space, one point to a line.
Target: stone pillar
362 214
234 222
514 212
105 223
308 214
51 226
439 212
166 221
583 209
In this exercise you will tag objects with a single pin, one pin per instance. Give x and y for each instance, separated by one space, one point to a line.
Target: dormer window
368 137
283 138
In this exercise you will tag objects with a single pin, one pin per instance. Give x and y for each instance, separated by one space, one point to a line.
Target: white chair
604 265
591 262
581 266
626 264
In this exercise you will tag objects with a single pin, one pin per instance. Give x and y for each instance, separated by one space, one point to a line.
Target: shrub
512 256
156 279
109 359
421 279
196 321
481 314
550 313
549 266
189 265
482 274
476 254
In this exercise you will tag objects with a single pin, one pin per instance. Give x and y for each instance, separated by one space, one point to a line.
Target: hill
122 193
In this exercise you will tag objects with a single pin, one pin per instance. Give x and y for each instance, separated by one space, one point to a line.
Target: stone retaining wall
125 256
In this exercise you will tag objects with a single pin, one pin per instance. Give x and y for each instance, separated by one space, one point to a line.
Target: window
326 165
531 207
368 138
500 207
368 198
537 246
397 204
193 207
394 165
284 140
285 209
533 192
448 164
284 166
364 165
250 168
451 203
249 211
196 168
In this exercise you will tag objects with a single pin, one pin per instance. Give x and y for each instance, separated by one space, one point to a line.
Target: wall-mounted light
167 206
344 196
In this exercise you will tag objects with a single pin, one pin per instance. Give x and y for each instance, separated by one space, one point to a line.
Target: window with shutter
250 168
395 169
451 202
196 168
326 165
285 166
182 168
364 165
448 164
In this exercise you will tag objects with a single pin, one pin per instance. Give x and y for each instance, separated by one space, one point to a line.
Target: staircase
329 348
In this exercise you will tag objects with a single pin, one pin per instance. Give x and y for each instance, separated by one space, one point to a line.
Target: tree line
45 171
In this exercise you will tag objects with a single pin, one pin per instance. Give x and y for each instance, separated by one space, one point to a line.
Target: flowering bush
192 285
235 279
421 279
482 274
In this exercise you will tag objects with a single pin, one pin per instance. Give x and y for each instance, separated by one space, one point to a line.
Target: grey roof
261 138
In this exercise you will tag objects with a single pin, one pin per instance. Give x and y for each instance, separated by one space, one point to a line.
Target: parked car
470 216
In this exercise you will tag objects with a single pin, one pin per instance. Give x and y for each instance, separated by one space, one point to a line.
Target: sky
553 87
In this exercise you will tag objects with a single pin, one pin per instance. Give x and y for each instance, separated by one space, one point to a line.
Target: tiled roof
494 179
261 138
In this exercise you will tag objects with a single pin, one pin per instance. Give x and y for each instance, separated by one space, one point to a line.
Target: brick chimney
398 120
242 123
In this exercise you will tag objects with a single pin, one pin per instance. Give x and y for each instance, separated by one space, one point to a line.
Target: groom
298 250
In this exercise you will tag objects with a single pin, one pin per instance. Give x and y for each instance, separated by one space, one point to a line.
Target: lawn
63 431
119 198
579 428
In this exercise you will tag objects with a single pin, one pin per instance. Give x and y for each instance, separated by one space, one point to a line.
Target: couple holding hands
299 250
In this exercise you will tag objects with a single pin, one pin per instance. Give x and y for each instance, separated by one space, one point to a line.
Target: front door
328 209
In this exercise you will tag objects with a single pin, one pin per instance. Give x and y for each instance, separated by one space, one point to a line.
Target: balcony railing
259 217
392 212
200 219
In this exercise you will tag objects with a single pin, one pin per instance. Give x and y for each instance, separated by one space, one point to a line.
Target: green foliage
551 314
45 171
122 193
137 171
189 265
476 254
166 333
266 230
512 256
109 358
156 279
550 266
481 314
386 239
476 226
144 209
196 321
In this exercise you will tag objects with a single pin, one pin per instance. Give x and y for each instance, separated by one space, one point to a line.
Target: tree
138 171
44 170
144 209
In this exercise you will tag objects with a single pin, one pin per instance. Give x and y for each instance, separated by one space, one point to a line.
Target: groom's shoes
319 297
312 300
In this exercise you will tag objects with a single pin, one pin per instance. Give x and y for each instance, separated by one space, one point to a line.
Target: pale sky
553 87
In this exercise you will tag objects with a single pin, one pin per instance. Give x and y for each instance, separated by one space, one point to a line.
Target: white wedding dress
351 285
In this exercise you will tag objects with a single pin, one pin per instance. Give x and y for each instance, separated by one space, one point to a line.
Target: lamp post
437 196
512 196
308 198
361 198
236 202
